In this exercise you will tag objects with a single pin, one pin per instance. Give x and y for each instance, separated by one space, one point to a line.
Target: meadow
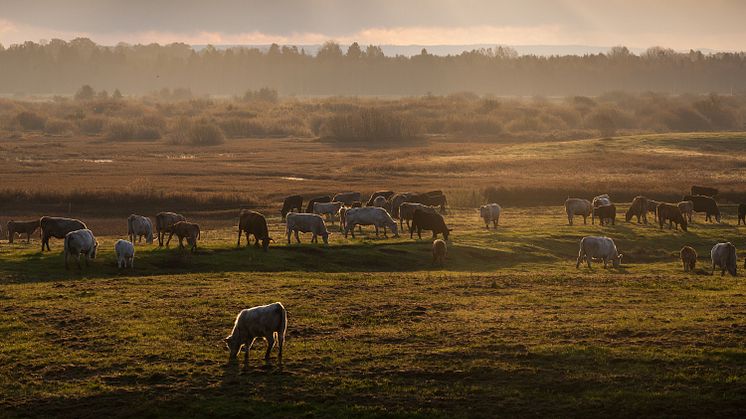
507 327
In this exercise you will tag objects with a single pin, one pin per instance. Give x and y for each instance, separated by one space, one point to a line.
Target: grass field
508 327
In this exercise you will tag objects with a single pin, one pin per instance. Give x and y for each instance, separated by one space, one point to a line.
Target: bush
58 127
30 121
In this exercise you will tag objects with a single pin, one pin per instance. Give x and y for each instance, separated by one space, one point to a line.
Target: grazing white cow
80 242
490 213
327 208
139 227
374 216
598 201
724 256
577 206
125 254
599 248
269 322
306 223
406 212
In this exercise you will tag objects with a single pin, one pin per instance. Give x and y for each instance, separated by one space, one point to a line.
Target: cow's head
617 260
233 344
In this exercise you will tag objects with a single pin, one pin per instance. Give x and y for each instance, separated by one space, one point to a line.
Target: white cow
599 248
374 216
490 213
577 206
599 201
80 242
306 223
327 208
269 322
406 212
139 227
724 256
125 253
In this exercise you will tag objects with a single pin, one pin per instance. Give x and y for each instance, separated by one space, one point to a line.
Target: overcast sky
682 24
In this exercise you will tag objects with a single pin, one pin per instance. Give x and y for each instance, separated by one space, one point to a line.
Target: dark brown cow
605 213
705 204
291 203
672 214
252 222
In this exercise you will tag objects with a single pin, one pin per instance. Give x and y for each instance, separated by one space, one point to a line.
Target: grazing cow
57 227
385 194
406 212
704 190
724 256
705 204
164 222
639 209
577 206
439 252
672 214
291 203
306 223
422 220
184 229
592 247
347 197
741 214
490 213
375 216
597 202
397 200
252 222
79 242
125 254
269 322
139 227
686 208
688 258
327 208
653 207
322 199
605 214
22 227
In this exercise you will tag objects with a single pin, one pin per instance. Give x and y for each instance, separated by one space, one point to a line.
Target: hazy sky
682 24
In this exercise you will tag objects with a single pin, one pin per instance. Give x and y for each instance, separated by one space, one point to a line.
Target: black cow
425 221
705 204
322 199
291 203
704 190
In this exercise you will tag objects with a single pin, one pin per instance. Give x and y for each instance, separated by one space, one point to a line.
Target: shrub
30 121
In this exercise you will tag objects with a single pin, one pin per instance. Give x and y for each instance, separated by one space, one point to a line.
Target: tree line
60 67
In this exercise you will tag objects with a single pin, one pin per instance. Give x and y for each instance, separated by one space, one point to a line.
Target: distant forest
60 67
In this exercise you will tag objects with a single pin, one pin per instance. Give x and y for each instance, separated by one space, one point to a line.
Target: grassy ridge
508 325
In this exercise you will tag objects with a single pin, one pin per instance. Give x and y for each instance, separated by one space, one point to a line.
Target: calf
705 204
439 252
599 248
490 213
252 222
688 258
723 255
577 206
639 209
57 227
306 223
21 227
291 203
184 229
79 242
125 254
672 214
164 222
269 322
322 199
139 227
606 214
422 220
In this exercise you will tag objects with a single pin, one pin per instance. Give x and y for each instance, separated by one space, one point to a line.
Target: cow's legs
270 345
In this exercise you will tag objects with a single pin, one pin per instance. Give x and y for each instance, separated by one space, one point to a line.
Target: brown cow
639 209
21 227
252 222
688 258
672 214
184 229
